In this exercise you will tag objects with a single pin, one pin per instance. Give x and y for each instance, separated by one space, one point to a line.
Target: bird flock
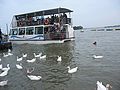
5 70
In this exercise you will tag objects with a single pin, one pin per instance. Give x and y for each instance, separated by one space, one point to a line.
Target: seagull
10 54
19 59
73 70
100 86
32 77
97 57
4 73
6 68
5 55
3 83
19 66
43 57
31 61
24 55
59 59
37 55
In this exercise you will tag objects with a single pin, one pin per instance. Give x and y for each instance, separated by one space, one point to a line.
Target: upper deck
44 17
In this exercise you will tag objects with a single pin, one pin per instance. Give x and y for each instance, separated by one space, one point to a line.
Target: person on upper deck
64 18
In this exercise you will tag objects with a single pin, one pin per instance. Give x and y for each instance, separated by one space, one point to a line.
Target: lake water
76 53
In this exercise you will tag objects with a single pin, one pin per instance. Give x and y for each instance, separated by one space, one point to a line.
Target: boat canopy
45 12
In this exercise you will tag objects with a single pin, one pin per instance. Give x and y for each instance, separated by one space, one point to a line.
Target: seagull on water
19 66
24 55
32 60
10 54
4 73
73 70
33 77
97 57
5 55
19 59
3 83
100 86
43 57
6 68
37 55
59 59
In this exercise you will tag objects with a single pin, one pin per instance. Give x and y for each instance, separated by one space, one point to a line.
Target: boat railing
22 23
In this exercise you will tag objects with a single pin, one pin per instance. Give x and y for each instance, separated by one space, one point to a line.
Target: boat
42 27
81 30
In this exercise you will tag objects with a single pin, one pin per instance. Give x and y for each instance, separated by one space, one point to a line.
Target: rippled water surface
76 53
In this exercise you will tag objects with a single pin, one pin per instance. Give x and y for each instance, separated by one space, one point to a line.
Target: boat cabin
52 24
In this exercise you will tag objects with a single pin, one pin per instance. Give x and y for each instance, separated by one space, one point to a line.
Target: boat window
21 31
38 30
29 31
14 31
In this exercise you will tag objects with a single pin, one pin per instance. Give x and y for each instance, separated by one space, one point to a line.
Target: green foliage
77 27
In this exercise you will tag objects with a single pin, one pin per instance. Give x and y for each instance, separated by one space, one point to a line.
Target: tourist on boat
52 19
64 18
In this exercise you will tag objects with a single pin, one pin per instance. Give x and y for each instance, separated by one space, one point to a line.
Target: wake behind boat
42 27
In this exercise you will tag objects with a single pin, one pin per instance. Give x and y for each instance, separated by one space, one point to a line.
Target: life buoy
46 22
20 23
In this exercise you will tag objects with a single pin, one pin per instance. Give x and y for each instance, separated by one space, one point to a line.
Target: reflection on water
76 53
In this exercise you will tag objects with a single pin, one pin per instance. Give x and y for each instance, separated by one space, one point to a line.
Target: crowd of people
41 20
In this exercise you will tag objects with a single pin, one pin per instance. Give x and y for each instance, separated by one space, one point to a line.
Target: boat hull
40 42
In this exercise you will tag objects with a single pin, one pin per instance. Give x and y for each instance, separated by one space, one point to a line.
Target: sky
87 13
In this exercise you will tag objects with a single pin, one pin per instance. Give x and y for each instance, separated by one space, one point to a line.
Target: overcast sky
87 13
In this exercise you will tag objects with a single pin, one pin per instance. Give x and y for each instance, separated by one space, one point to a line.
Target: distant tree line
77 27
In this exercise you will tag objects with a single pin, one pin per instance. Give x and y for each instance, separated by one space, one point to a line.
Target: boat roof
46 12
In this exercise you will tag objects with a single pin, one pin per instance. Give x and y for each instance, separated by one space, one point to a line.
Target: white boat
42 27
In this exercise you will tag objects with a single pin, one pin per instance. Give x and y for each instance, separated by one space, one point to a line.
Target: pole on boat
7 31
